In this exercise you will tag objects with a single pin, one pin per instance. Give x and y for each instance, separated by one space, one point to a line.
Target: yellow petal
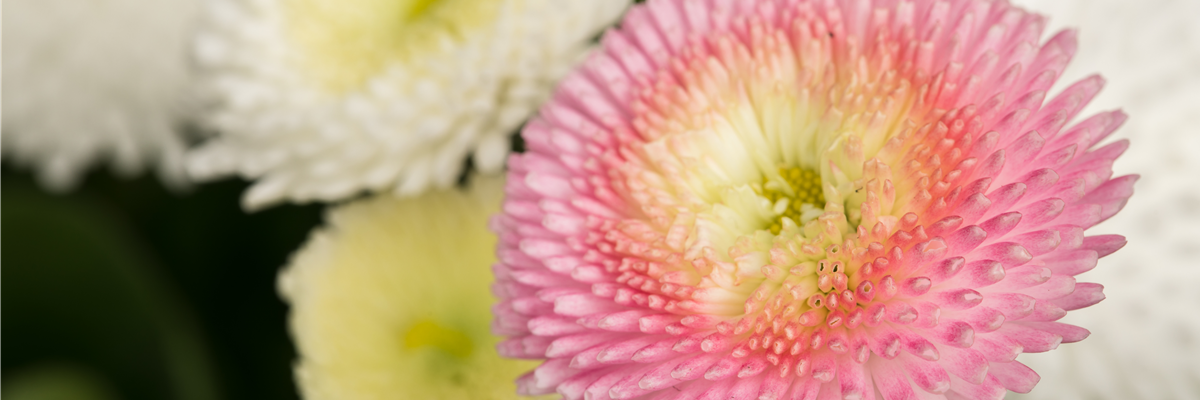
391 300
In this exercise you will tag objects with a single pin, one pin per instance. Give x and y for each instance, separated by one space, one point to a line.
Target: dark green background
122 287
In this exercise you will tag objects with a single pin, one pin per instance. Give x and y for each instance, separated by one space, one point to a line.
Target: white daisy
1145 338
322 99
93 81
390 300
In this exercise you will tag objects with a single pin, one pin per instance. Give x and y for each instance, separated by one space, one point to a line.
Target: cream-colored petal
391 300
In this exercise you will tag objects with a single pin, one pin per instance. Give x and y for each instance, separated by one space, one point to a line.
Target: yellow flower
391 300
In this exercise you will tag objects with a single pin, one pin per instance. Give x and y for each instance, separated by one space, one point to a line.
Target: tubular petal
814 199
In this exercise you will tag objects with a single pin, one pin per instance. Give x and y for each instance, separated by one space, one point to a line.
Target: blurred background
125 290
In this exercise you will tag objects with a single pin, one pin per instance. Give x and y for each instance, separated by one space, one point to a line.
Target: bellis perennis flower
89 83
806 199
323 99
390 300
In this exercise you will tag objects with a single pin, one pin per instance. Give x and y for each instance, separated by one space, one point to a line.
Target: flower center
427 333
765 175
342 45
418 7
798 197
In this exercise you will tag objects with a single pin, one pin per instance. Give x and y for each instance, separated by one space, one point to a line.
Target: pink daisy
806 199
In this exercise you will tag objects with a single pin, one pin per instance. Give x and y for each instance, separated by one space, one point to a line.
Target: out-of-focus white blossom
87 82
323 99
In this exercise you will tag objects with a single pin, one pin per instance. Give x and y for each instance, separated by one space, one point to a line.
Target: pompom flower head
89 83
806 199
390 301
323 99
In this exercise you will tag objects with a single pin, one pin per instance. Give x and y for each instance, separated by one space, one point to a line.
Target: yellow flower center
417 7
427 333
803 186
344 43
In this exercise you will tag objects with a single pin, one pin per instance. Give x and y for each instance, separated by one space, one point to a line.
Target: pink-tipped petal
801 199
1014 376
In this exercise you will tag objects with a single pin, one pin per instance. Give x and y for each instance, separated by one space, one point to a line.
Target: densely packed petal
1146 336
806 199
87 83
390 301
323 99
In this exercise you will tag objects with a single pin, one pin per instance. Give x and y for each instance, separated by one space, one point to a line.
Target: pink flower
806 199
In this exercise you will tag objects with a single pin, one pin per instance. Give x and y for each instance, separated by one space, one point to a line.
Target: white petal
92 82
406 124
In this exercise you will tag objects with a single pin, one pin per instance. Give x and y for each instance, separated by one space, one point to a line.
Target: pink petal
1085 294
1014 376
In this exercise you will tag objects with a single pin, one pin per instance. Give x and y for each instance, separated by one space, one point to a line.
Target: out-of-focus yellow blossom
391 300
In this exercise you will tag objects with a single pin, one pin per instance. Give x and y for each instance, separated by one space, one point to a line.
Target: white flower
390 300
93 81
1145 341
322 99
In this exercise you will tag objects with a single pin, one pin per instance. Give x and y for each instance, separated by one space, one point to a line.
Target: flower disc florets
663 238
